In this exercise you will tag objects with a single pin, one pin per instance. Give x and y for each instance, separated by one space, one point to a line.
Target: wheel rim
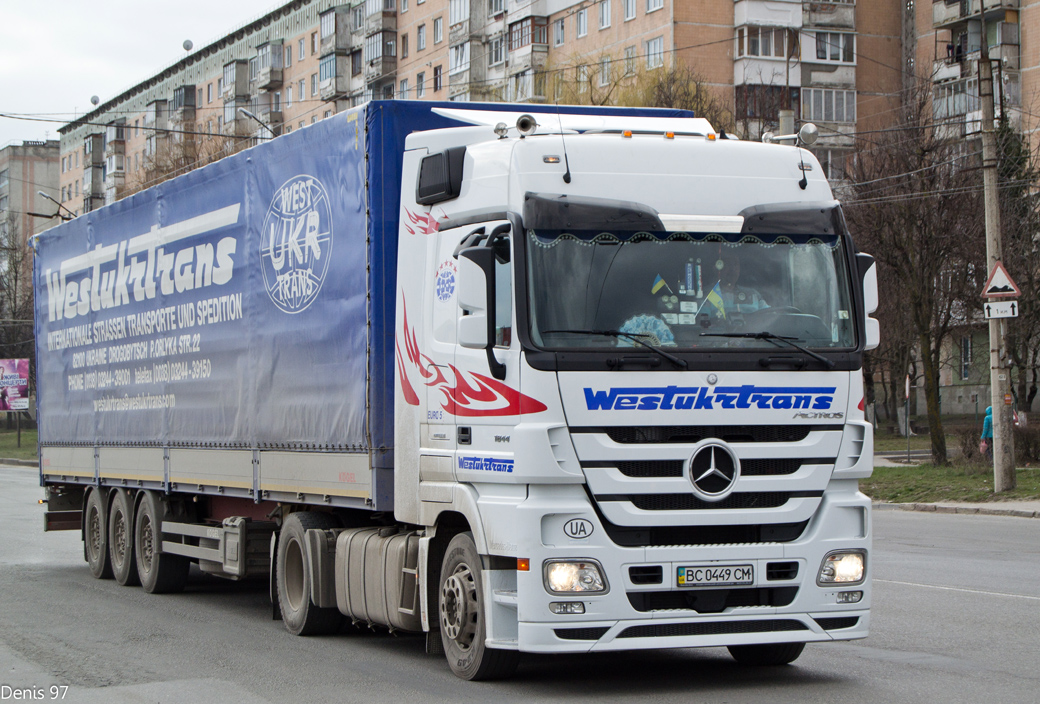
147 548
294 577
119 538
94 523
459 607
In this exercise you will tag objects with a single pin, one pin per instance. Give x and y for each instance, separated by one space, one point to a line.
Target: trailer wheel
462 614
767 654
95 536
159 572
292 575
121 539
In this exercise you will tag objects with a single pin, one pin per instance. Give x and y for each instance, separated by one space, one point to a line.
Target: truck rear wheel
766 654
159 572
121 539
462 615
292 575
95 536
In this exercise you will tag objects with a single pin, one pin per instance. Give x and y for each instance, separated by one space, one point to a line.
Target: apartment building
831 63
26 169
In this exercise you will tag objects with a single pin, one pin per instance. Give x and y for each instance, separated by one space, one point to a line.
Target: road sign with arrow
1000 285
1001 309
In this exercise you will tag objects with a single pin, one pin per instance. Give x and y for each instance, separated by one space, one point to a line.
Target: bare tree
916 205
16 294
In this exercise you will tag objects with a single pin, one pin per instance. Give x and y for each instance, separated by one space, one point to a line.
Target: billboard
14 385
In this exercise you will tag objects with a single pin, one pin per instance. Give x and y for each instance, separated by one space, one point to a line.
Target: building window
437 84
229 74
821 105
630 60
328 113
834 162
835 46
314 84
420 85
604 14
761 102
327 67
458 11
404 46
965 358
404 88
356 62
956 98
420 37
630 9
315 44
652 5
328 24
532 30
559 32
582 21
775 42
655 52
209 93
359 17
301 53
276 102
404 5
438 30
254 68
288 96
496 7
497 51
604 71
458 59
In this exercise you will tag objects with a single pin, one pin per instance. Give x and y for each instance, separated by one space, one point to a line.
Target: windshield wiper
629 335
774 339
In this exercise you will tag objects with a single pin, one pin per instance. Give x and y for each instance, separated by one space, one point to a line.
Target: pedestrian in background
986 446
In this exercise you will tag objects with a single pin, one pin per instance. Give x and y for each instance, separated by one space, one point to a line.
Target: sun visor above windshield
821 218
554 211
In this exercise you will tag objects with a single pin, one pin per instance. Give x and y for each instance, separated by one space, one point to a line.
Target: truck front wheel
292 575
767 653
95 536
463 620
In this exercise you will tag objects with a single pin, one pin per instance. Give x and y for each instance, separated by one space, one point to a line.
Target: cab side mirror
868 276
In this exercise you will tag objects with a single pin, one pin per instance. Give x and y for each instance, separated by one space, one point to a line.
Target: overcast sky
56 54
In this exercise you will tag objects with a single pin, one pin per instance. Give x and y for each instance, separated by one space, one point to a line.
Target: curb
967 510
20 463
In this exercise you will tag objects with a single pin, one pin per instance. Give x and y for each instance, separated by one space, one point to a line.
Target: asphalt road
956 619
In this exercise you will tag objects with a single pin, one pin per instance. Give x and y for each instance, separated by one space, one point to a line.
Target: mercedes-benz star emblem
713 471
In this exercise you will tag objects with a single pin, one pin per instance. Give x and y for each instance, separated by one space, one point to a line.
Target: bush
1027 445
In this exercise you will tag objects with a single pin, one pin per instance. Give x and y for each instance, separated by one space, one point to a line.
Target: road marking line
958 589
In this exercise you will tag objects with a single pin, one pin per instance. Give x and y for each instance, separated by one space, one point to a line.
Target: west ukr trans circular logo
296 243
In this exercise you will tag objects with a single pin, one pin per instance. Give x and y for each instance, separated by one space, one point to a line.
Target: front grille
833 624
781 571
658 469
663 469
656 434
671 536
712 601
689 502
581 633
646 574
666 630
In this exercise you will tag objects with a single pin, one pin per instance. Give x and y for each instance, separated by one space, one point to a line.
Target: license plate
715 575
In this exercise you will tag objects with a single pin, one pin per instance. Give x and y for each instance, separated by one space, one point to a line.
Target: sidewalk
1020 509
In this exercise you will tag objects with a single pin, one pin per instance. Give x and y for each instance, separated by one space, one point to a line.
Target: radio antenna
566 162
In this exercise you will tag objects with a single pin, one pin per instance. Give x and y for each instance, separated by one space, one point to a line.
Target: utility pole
1000 385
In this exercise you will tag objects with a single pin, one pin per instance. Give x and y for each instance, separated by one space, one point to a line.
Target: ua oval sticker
578 528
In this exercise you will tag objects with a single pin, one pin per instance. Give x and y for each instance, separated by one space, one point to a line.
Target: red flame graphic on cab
474 397
424 224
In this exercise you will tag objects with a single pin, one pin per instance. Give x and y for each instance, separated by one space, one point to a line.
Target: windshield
687 290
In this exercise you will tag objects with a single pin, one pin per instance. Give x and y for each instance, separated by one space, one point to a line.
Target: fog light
567 607
849 597
573 576
842 568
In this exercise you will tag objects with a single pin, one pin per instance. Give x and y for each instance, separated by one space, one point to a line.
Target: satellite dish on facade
94 100
187 45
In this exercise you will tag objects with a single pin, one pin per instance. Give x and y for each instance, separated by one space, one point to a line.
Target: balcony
378 68
950 13
380 22
338 40
830 15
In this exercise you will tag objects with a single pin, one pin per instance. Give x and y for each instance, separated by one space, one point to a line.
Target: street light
257 120
51 198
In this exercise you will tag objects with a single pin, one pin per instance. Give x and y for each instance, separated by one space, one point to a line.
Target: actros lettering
696 398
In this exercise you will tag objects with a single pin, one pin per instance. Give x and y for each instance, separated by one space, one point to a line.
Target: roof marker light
627 134
669 135
711 137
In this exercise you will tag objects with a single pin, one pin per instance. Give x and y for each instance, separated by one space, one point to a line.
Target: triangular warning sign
999 284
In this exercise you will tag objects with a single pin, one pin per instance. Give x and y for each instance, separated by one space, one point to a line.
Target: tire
462 616
95 535
299 614
159 572
769 654
121 539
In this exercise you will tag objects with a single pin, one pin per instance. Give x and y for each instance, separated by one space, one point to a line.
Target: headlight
562 576
842 568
